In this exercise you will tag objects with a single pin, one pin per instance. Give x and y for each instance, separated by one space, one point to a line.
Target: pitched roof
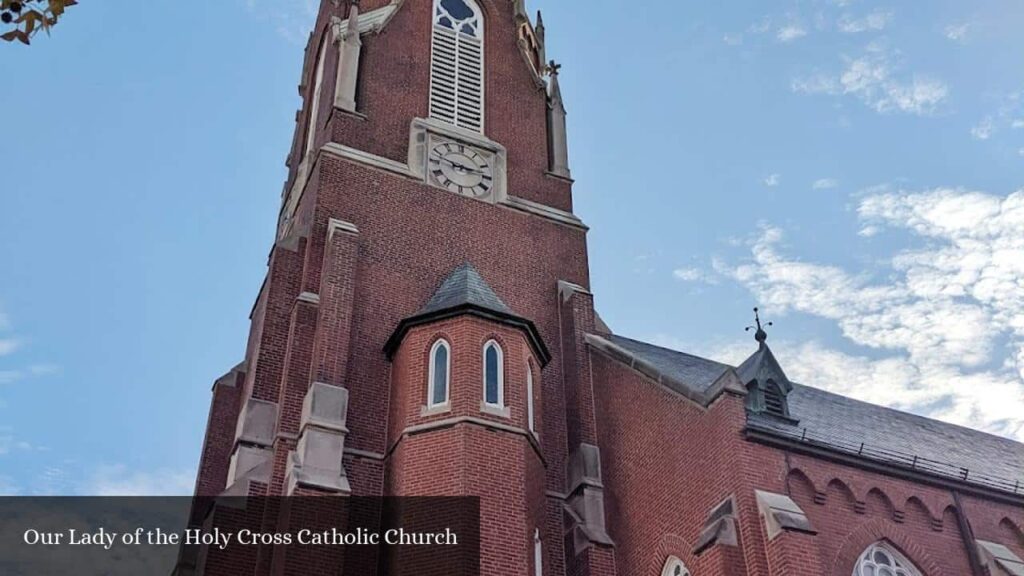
464 287
694 372
842 423
900 434
465 292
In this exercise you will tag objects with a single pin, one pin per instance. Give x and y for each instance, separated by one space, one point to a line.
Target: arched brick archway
876 530
670 545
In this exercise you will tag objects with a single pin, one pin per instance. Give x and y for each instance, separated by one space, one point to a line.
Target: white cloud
694 275
8 346
984 130
871 78
10 376
733 39
957 32
117 480
791 32
1021 152
9 443
825 184
874 21
950 315
1018 124
773 180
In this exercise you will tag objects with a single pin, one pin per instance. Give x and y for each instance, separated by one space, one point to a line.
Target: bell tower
427 289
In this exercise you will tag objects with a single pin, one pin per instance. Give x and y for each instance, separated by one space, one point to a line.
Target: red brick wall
667 463
666 470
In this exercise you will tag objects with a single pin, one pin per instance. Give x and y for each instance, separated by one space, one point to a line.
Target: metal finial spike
760 335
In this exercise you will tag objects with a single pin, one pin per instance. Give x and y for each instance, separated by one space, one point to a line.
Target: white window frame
460 39
902 566
501 374
670 567
530 416
432 371
538 554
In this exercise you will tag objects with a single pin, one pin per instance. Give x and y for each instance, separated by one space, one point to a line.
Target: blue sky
855 167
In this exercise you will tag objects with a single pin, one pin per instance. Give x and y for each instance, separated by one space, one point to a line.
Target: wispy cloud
875 21
943 315
791 32
983 130
873 79
773 180
8 346
825 184
957 32
692 274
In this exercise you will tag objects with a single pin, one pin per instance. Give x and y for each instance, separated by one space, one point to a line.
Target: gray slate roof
852 422
697 373
464 286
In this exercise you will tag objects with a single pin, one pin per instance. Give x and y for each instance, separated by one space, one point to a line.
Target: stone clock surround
427 133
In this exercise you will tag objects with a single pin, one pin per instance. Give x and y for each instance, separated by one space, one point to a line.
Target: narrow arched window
439 374
529 398
457 64
494 384
880 559
674 567
314 102
538 554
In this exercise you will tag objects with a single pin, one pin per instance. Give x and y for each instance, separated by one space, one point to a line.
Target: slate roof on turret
465 292
465 287
841 423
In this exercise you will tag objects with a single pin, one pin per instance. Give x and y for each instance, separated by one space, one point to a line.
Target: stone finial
558 145
519 9
348 62
539 33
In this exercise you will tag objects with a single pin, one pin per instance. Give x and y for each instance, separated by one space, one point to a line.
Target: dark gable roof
830 416
692 371
465 292
839 421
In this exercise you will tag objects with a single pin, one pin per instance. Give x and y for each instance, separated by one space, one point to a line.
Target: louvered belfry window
457 64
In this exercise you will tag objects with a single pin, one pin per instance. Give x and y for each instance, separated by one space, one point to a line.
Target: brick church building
426 328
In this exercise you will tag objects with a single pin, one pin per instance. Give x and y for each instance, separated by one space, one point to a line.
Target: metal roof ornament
760 335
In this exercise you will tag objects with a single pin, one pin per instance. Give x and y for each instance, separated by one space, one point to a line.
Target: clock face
461 169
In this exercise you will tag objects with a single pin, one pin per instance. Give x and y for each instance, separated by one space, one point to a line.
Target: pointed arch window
494 378
881 559
674 567
457 64
439 375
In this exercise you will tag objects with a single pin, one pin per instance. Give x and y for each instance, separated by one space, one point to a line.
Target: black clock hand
462 167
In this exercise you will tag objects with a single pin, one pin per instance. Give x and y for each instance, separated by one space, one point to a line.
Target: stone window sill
436 409
495 410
